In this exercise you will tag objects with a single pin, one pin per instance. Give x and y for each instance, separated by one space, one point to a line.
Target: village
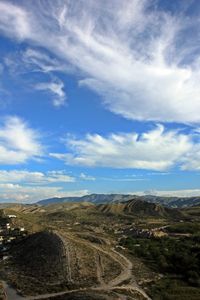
9 234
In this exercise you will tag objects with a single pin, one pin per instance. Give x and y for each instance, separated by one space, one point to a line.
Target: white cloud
32 60
126 179
141 59
172 193
158 149
84 176
56 88
15 21
18 142
35 60
28 194
28 177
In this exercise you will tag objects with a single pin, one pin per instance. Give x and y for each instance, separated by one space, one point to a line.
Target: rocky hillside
38 262
139 208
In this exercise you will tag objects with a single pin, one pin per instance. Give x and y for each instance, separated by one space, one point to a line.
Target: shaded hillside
139 208
38 261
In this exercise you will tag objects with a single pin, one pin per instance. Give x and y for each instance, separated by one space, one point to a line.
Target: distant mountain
93 198
58 200
173 202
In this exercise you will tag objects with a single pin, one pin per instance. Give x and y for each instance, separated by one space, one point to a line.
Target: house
12 216
8 225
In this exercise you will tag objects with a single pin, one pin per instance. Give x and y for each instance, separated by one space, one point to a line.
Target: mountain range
173 202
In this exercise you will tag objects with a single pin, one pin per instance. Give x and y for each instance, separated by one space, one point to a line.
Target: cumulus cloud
29 177
28 186
158 149
18 142
142 60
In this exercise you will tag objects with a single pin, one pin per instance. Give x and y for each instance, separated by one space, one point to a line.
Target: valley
87 251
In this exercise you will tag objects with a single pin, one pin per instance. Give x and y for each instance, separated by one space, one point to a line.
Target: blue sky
99 97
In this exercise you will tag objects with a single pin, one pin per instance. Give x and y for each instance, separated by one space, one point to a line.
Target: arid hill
37 263
139 208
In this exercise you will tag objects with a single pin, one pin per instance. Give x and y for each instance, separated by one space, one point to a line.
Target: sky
99 96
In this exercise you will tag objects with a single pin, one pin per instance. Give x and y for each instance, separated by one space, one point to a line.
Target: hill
37 263
139 207
55 264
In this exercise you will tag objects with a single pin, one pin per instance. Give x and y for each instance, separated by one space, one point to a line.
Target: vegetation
185 227
178 259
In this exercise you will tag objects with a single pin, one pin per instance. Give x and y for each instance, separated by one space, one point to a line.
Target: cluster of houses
148 233
9 233
141 232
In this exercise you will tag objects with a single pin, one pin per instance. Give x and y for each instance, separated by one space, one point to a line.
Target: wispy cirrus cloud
84 176
56 88
142 60
154 51
18 142
32 60
36 60
158 149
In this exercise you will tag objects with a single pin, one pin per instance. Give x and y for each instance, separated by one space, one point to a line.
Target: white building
12 216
